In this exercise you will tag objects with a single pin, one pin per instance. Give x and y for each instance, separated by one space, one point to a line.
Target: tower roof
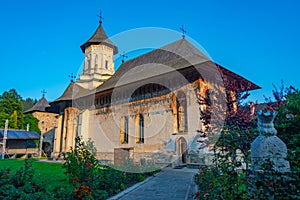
99 37
41 106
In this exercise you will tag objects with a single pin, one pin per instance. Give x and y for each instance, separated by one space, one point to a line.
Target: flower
197 194
205 195
7 175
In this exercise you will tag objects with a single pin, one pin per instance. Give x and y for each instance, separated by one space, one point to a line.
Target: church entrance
182 149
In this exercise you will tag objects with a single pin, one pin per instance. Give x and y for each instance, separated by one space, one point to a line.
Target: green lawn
51 174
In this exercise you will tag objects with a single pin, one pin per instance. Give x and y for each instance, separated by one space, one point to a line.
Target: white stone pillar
4 139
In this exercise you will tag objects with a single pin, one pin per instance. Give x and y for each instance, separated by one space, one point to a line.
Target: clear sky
40 39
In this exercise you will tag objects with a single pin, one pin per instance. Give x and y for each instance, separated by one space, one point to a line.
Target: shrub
21 184
91 180
227 180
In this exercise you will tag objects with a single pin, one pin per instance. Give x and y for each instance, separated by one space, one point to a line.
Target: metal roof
20 135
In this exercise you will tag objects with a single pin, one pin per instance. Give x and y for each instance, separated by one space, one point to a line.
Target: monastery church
146 110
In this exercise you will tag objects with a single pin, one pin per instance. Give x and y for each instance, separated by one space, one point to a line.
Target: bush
226 179
91 180
21 184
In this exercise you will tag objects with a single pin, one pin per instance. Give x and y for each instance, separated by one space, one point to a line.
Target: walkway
175 184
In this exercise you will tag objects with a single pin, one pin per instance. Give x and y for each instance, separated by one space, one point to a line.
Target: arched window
89 62
139 134
96 61
106 64
141 128
124 130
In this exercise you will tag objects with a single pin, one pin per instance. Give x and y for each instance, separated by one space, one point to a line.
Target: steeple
99 37
99 51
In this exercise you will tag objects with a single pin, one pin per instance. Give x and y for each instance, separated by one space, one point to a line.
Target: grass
51 174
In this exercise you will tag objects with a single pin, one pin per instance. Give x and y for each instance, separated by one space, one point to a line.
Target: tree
11 102
11 106
32 121
238 131
287 122
13 122
3 117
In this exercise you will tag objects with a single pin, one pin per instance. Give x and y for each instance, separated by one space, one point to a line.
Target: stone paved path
175 184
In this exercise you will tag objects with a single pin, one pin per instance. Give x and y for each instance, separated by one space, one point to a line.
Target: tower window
89 62
106 64
96 61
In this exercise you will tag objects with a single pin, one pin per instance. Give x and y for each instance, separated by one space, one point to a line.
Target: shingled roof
41 106
72 92
99 37
175 56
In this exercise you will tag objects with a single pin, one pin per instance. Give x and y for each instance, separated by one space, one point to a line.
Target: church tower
99 51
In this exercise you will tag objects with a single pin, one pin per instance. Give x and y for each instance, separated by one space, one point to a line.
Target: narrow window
106 64
89 62
124 130
141 129
96 61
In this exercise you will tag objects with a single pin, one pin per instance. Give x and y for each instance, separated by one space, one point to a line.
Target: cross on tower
43 92
183 31
72 76
123 57
100 17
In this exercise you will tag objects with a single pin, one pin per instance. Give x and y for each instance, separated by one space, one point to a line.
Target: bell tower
99 51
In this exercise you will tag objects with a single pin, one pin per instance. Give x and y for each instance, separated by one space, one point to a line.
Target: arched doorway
47 148
181 147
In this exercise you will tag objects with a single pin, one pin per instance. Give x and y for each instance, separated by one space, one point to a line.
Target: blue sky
41 38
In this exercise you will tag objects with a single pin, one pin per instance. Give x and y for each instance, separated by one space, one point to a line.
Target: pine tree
13 122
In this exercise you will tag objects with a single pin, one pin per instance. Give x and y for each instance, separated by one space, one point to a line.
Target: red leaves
76 180
82 191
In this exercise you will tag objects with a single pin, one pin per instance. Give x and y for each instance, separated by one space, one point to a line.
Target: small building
47 123
20 142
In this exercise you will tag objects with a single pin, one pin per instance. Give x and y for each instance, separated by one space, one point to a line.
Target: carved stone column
268 154
267 146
